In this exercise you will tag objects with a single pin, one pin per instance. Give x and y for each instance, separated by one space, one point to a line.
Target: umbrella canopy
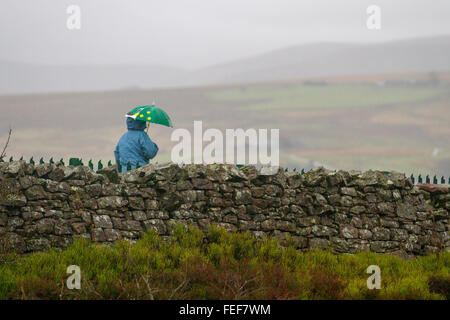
151 114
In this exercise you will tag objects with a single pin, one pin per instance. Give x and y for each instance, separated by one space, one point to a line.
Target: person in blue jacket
135 146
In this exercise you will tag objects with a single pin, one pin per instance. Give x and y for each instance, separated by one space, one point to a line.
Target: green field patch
333 96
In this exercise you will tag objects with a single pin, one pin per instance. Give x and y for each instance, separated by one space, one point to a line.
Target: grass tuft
217 264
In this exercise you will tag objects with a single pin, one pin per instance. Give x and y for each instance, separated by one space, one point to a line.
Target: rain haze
199 33
342 95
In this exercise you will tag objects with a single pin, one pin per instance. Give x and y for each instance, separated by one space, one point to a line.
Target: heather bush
217 264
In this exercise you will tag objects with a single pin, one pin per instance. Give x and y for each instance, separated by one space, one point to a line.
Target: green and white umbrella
151 114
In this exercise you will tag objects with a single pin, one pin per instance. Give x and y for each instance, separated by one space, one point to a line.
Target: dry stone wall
48 205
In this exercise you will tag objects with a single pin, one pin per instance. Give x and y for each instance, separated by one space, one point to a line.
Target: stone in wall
48 205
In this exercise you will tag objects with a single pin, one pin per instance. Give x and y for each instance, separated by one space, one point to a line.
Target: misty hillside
21 77
312 60
331 59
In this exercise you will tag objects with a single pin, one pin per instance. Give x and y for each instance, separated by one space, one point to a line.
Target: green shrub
217 264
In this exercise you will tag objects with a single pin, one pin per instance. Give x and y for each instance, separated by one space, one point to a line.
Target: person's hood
135 124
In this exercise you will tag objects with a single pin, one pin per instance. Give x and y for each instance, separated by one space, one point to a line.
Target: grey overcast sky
197 33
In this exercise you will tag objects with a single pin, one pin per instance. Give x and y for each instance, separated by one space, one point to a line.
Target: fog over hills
20 78
304 61
331 59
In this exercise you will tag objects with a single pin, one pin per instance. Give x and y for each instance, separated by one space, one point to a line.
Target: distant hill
20 77
332 59
304 61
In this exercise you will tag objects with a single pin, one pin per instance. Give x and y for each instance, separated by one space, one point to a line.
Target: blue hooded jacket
135 146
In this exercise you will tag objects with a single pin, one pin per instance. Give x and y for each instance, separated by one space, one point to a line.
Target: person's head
135 124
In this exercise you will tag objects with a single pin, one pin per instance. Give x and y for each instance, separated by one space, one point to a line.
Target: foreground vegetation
217 265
